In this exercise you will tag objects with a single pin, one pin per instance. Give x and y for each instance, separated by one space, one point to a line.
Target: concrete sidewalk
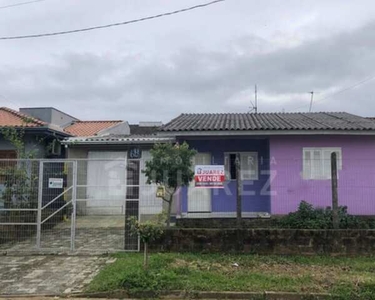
47 298
48 275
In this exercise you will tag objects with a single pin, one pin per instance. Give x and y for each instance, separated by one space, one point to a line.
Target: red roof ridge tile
98 121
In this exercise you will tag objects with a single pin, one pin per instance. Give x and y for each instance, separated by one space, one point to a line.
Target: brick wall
268 241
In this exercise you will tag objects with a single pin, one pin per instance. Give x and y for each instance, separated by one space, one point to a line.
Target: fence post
335 200
74 204
239 190
40 198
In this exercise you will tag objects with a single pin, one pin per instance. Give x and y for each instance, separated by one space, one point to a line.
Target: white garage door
106 186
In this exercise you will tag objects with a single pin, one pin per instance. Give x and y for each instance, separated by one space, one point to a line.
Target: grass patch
348 278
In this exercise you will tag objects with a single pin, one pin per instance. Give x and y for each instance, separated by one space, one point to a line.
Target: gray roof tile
269 121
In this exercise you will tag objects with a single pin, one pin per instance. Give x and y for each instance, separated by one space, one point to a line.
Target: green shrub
309 217
147 281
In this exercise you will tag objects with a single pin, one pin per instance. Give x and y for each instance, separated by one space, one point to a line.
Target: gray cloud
146 81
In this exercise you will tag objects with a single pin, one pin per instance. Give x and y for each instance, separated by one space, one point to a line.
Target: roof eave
45 129
74 142
267 132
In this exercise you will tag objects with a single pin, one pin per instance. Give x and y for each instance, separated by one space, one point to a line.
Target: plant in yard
171 167
19 180
16 138
148 232
309 217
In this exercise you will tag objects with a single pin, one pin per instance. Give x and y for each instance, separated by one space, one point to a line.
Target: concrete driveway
48 275
93 234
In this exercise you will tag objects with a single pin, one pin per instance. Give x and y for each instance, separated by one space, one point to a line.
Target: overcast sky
206 60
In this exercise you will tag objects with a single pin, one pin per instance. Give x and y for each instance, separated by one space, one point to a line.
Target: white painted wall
149 204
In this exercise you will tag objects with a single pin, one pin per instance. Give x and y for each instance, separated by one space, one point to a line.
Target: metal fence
72 205
19 202
35 199
85 204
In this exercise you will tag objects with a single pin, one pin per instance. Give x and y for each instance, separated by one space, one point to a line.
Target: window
317 162
8 154
249 165
232 166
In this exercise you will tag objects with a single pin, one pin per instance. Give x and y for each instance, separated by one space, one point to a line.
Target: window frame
323 175
227 165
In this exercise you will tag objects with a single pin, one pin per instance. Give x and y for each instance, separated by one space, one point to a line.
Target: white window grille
317 162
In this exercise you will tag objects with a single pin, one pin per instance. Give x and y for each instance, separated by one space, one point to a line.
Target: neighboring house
285 158
111 156
42 136
42 132
50 115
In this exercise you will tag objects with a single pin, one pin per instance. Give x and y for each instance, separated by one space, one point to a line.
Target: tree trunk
170 203
145 257
335 200
169 211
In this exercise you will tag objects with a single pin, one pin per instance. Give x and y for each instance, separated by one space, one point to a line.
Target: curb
121 294
207 295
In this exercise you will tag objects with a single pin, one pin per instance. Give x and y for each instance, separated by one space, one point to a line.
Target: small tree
171 167
148 232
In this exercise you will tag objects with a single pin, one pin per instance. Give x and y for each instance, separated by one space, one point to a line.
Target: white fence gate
72 205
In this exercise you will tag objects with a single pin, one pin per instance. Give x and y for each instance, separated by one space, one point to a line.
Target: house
285 158
43 131
110 157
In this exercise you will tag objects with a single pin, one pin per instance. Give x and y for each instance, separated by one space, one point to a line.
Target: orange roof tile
13 118
89 128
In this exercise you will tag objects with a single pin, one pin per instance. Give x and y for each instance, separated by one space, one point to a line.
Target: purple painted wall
224 200
356 179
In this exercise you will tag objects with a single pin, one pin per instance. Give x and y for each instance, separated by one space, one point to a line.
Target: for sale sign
209 176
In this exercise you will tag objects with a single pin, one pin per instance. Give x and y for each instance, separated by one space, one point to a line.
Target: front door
199 199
